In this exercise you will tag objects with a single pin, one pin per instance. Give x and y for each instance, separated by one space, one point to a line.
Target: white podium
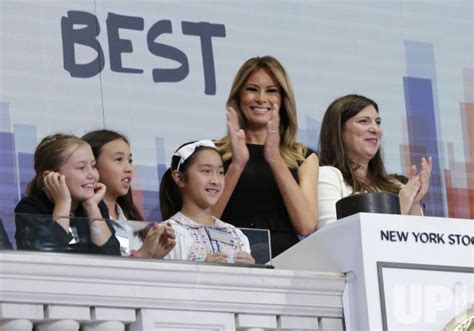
403 272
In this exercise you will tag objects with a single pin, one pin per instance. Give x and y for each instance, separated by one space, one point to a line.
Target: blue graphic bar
422 109
422 137
9 189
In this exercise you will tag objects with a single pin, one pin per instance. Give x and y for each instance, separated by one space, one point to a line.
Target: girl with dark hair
66 187
351 159
114 163
189 188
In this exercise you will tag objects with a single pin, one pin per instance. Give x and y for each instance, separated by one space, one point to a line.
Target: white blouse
195 241
331 188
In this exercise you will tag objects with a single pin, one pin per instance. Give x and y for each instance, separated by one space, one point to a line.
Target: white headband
187 150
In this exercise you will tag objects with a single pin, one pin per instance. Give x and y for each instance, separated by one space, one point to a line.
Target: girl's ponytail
171 200
170 196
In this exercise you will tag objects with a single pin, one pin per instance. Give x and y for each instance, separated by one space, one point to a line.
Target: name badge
221 235
74 234
122 237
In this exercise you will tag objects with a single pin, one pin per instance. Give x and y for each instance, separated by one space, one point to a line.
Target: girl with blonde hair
66 188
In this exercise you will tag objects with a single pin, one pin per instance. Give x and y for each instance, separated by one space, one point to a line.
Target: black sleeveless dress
257 203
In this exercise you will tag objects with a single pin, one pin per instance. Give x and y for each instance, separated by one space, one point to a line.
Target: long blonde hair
291 151
51 154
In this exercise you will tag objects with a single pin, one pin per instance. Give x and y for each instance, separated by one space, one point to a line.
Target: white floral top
195 241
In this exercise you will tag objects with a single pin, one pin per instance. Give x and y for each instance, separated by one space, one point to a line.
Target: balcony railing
60 291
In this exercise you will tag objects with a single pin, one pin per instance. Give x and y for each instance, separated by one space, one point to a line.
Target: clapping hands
238 143
271 150
424 176
238 138
159 241
416 188
166 242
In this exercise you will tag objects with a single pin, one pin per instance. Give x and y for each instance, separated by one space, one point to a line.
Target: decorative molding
54 278
90 289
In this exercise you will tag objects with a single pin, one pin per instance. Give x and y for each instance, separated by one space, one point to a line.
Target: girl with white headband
189 189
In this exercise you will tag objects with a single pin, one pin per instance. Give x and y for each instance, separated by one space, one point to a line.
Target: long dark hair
171 200
333 152
97 139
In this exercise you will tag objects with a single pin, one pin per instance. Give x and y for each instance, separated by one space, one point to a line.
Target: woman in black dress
271 180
